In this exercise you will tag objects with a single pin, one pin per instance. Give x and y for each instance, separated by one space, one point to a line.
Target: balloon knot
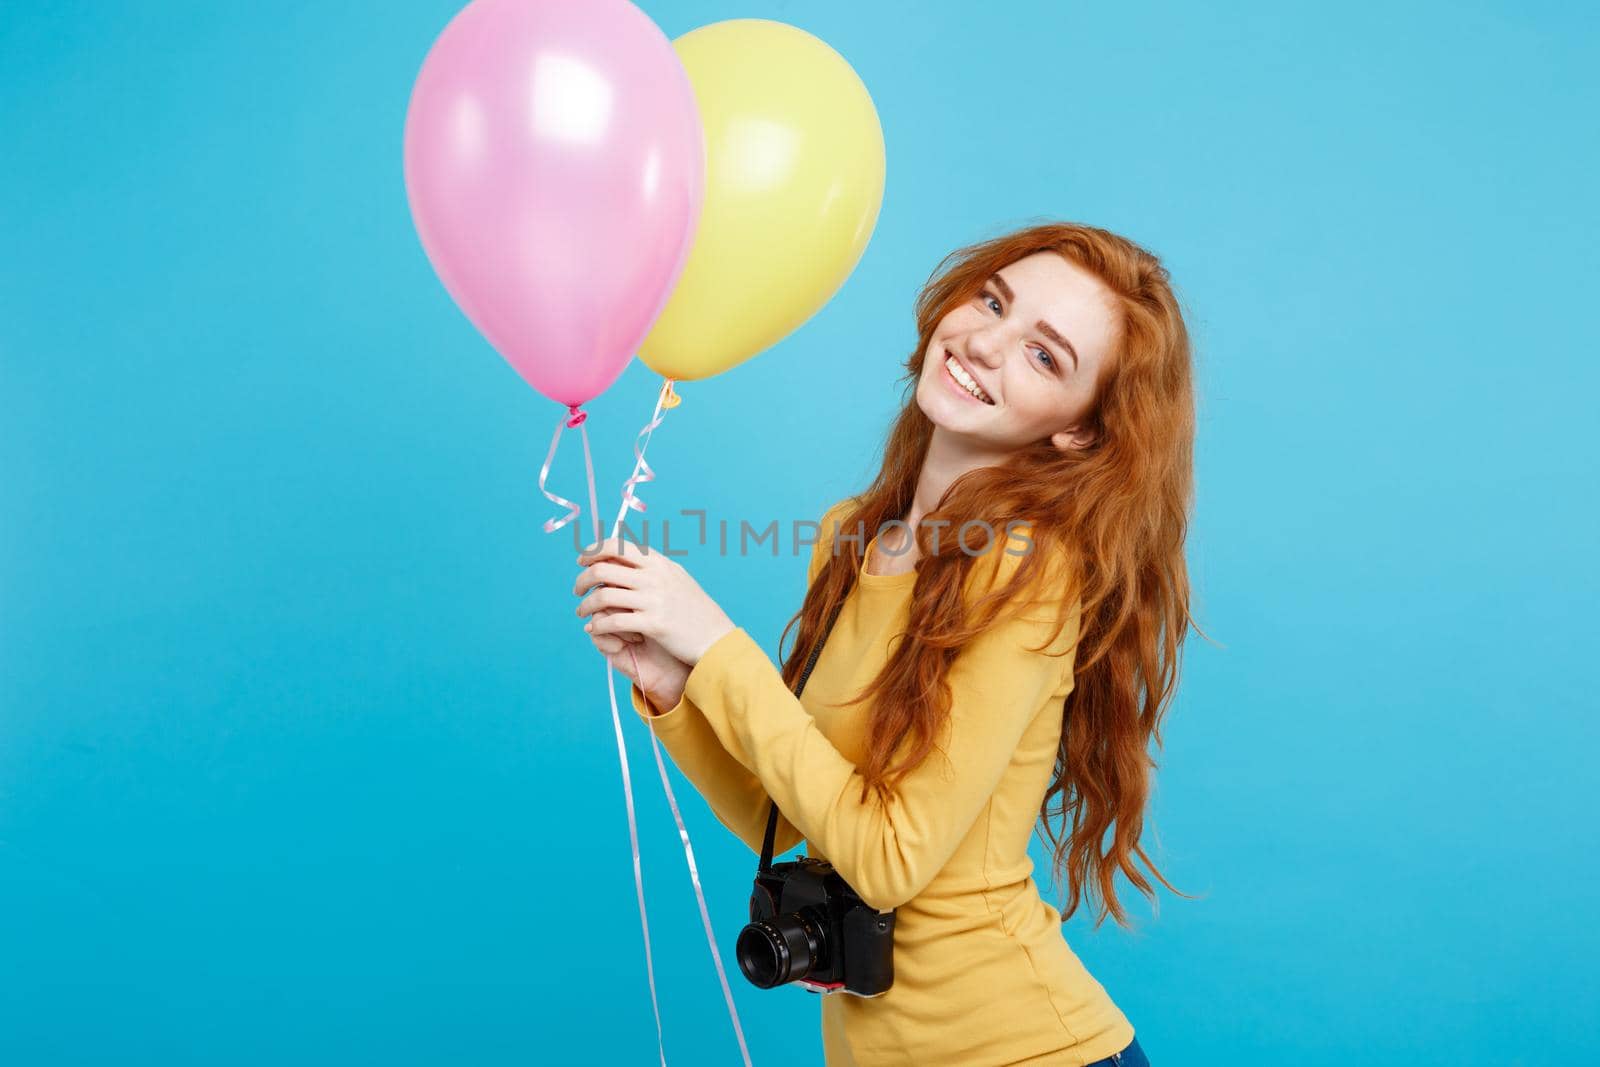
575 415
669 398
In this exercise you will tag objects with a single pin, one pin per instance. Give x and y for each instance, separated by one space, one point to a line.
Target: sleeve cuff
651 712
704 676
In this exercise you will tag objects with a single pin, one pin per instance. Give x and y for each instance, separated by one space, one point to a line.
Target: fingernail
588 627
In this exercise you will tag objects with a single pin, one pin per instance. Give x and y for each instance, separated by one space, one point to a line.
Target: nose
984 347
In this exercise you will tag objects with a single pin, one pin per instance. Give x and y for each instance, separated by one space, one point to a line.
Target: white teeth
959 373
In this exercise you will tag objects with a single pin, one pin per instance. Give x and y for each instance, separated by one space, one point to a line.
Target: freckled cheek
959 321
1035 404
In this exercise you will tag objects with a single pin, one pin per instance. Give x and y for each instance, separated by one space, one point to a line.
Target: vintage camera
809 927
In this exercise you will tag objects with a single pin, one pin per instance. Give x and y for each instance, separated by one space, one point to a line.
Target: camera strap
811 661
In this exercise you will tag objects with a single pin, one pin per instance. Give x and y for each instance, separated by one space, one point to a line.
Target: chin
943 410
936 407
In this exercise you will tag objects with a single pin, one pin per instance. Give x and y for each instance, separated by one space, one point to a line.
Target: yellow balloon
794 182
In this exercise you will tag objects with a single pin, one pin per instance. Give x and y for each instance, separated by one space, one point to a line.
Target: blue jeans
1132 1056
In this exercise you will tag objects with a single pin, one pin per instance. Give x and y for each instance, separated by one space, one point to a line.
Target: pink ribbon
642 473
638 870
627 782
641 469
699 894
575 417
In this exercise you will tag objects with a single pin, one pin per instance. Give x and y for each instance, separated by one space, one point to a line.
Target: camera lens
778 950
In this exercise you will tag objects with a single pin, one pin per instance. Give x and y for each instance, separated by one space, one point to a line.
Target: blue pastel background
305 759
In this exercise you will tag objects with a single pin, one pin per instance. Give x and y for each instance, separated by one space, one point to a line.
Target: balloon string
638 872
622 759
700 898
667 398
588 468
641 470
575 417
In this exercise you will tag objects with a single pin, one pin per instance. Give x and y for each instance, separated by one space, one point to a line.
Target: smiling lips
965 380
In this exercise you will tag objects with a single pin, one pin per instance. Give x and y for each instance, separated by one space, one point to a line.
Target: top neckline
867 578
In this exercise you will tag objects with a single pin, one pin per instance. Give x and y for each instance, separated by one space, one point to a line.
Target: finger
620 662
612 548
597 548
606 573
617 622
612 647
629 638
609 596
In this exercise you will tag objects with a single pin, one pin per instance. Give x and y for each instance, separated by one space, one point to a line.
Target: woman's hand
659 674
654 597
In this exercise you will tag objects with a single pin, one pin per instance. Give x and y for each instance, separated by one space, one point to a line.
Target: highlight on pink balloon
555 169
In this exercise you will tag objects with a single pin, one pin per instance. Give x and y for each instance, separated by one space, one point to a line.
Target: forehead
1051 287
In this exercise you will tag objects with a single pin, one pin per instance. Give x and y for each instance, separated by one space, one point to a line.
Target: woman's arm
735 796
890 852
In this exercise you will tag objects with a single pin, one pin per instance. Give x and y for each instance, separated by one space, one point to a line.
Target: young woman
1009 633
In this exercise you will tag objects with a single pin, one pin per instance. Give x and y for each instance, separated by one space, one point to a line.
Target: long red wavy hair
1118 509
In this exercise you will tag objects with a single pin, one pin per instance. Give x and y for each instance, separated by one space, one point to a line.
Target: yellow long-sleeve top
982 974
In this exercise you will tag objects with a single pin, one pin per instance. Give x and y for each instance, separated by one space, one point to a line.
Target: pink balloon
555 167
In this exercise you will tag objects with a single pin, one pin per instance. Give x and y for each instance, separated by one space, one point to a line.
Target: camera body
807 926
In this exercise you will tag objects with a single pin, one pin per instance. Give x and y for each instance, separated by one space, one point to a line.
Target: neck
948 458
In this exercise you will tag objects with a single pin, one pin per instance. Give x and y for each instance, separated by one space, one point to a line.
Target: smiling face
1031 345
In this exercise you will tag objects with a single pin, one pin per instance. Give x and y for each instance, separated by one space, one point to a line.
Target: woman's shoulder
827 526
999 558
837 511
1000 551
1049 571
834 516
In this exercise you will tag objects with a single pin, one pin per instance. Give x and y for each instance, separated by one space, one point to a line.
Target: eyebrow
1044 327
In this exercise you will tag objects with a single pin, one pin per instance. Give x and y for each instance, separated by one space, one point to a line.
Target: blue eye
988 298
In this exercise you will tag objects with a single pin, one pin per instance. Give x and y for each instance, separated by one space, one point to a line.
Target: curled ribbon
642 473
641 470
575 417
